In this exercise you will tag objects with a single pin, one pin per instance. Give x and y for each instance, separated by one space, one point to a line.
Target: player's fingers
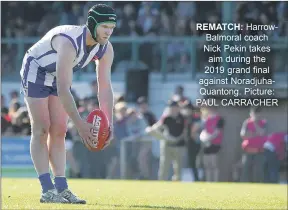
91 137
90 142
93 142
92 127
85 142
107 143
106 134
82 140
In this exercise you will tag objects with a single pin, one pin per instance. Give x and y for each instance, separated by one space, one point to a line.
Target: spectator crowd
182 126
189 137
137 18
145 19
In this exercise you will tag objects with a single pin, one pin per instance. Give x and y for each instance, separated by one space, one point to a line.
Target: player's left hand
111 137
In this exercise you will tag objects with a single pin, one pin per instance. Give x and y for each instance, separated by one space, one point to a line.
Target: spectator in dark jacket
192 136
172 125
144 110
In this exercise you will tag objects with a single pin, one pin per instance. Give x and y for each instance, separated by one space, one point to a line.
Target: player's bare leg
40 122
57 133
57 152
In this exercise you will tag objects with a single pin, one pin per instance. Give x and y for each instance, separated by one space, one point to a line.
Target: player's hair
100 13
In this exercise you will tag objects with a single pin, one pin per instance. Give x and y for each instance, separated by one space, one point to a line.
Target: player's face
104 31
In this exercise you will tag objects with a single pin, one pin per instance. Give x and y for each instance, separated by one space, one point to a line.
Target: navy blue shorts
37 91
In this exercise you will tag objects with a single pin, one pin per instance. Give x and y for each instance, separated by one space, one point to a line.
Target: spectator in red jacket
274 152
211 137
253 133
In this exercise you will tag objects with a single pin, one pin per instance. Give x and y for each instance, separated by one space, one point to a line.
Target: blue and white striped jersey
39 64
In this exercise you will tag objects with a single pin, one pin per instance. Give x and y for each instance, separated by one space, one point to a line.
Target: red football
98 118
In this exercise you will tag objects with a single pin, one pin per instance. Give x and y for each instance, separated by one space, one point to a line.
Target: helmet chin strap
94 37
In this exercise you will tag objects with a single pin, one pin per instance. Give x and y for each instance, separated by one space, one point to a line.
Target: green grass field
109 194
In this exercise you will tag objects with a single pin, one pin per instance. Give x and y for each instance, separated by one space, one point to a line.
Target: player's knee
40 130
58 130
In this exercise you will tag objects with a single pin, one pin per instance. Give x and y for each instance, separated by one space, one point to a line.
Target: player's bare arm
64 65
105 92
64 73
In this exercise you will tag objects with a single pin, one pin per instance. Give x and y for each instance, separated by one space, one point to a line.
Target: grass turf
119 194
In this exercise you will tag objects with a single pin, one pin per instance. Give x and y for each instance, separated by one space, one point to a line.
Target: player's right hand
85 131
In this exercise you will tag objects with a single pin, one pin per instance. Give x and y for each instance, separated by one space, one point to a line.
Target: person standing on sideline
211 137
192 137
172 126
253 133
274 152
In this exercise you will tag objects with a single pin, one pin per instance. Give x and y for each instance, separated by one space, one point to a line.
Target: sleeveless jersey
39 63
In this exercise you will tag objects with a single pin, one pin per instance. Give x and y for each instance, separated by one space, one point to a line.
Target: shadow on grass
147 207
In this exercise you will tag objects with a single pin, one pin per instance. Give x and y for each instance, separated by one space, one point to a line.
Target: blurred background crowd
146 159
138 18
264 154
145 19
